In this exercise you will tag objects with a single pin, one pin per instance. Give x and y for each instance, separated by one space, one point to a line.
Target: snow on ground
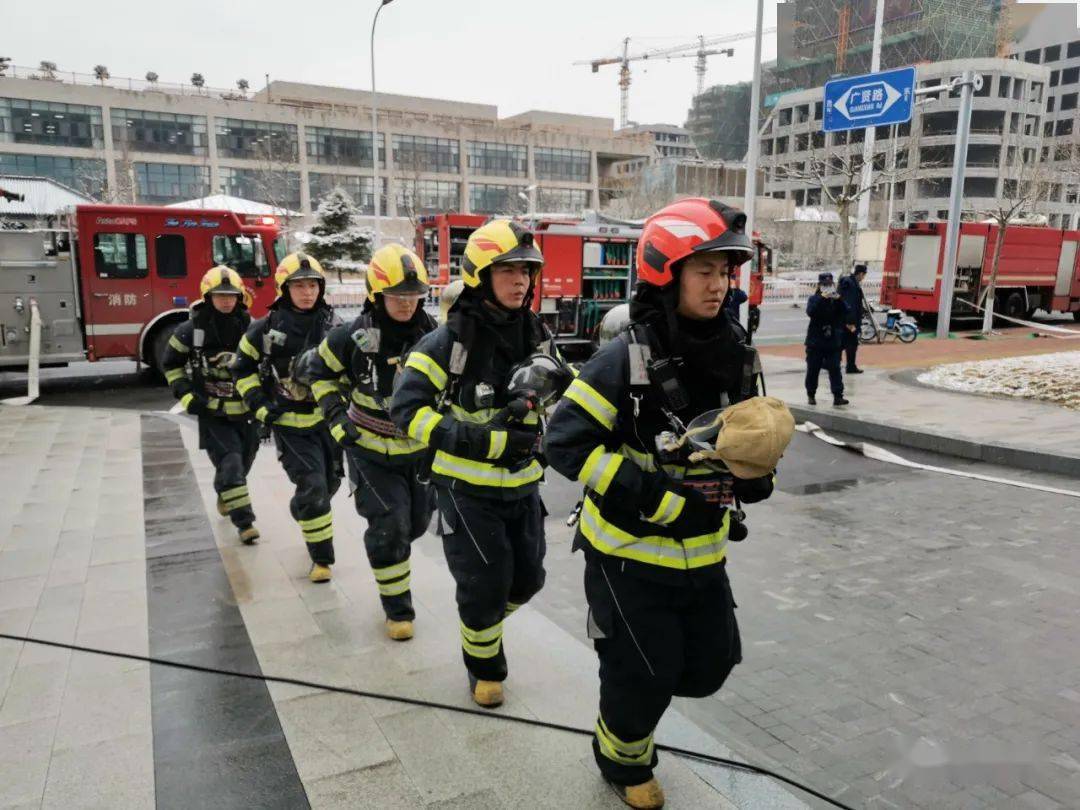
1047 377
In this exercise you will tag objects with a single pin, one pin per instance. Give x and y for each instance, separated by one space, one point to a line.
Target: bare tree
101 73
1021 193
276 181
838 172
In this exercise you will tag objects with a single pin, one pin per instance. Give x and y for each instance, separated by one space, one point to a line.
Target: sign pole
862 221
952 232
753 144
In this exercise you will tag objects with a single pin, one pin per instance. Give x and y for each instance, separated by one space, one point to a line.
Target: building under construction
718 121
818 39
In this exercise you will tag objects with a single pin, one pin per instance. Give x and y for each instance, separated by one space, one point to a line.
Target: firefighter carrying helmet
396 270
498 241
297 266
687 227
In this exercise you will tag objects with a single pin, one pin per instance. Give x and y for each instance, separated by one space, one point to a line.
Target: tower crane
700 50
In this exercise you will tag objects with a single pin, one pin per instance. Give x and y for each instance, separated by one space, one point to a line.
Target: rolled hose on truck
509 718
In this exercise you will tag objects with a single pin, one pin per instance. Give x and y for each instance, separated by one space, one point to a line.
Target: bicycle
897 325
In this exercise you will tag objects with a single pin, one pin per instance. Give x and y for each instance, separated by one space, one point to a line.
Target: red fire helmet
686 227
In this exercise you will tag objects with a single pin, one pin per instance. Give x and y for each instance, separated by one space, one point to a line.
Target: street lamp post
750 198
375 129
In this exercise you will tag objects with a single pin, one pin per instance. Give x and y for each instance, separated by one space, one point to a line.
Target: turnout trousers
850 344
312 460
654 641
397 508
495 551
828 359
231 446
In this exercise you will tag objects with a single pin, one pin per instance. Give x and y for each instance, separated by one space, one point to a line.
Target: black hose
528 721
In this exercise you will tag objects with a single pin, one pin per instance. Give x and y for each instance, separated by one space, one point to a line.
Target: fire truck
590 267
116 280
1038 269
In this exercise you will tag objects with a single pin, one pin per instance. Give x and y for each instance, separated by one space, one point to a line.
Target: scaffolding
831 35
717 121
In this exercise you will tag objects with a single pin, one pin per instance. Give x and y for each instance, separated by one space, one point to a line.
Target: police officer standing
268 377
352 378
828 320
850 289
452 397
197 364
654 529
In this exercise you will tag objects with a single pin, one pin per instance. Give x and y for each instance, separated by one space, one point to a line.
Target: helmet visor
538 377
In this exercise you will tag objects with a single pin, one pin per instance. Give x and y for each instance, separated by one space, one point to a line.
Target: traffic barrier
795 291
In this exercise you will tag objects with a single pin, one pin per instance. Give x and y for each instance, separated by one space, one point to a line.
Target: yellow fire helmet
222 280
296 266
396 270
501 240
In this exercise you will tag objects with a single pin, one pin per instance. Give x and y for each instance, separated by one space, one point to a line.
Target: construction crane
699 50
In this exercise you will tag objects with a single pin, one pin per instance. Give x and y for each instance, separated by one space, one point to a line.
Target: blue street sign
871 100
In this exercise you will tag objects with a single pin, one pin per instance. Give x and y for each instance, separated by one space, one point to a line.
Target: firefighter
452 396
384 464
268 377
828 319
197 364
653 526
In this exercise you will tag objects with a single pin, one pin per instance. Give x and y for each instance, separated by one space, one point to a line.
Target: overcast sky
517 55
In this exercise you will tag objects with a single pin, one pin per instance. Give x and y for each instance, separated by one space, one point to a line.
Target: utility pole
751 164
862 220
968 83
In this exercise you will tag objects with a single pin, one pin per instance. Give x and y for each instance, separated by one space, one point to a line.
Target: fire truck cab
118 279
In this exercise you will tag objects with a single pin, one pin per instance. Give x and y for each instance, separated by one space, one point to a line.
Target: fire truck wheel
1014 305
158 341
1076 315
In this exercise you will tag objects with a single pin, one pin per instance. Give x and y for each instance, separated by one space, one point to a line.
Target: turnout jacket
198 361
266 363
353 376
451 395
603 434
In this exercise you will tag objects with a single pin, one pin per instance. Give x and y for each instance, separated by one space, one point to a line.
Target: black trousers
397 508
312 460
850 344
828 359
495 551
231 446
655 641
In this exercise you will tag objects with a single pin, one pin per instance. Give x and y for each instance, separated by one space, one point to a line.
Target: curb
1004 454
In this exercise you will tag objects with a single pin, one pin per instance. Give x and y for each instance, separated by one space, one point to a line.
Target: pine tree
338 241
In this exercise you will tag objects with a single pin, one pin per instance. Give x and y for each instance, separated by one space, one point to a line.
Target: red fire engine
120 278
589 267
1038 269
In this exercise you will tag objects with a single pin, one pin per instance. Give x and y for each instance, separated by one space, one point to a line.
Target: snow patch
1051 378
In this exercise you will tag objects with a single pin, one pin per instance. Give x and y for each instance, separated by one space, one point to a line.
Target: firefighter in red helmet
654 524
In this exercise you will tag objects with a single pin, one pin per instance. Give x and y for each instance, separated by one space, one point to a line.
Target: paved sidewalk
886 404
107 541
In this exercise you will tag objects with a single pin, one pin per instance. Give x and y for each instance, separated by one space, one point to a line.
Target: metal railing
121 83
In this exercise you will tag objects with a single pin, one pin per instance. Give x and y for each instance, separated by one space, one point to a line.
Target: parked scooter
897 325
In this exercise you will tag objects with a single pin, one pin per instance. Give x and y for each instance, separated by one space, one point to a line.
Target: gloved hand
198 406
348 434
268 414
698 516
752 490
520 445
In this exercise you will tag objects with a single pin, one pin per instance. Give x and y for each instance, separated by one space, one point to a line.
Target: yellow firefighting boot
646 796
248 535
488 694
319 573
399 630
222 509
